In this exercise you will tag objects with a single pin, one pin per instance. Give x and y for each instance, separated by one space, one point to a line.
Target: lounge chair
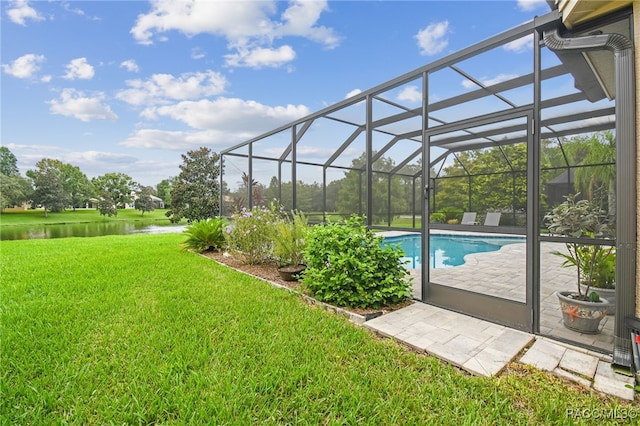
492 219
468 218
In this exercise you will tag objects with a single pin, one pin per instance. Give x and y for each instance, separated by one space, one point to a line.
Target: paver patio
503 274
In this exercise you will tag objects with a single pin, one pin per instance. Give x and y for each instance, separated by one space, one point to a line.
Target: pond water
91 229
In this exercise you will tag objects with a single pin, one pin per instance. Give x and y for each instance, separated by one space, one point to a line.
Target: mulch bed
270 273
266 272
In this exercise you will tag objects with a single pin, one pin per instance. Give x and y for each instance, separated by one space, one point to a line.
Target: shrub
203 235
437 217
452 213
289 240
251 234
347 266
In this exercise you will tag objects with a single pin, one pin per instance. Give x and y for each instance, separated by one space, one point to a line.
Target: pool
447 250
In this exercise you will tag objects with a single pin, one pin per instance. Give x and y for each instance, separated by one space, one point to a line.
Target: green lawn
131 330
37 217
406 222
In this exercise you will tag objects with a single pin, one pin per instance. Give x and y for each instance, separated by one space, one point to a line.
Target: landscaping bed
270 273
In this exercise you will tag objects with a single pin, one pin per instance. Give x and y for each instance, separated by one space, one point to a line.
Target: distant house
93 203
157 202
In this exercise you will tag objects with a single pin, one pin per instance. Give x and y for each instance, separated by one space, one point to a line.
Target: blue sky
129 86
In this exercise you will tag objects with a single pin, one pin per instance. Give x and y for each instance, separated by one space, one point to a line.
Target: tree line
489 179
477 180
56 186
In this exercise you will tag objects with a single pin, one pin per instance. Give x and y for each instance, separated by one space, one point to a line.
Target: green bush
251 234
347 266
203 235
452 213
437 217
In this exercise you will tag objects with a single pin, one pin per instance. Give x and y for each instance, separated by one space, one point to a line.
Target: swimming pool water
446 251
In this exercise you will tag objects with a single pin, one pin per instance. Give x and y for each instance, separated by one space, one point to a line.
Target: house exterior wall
636 40
575 12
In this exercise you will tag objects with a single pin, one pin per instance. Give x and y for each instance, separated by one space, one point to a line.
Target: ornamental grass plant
289 239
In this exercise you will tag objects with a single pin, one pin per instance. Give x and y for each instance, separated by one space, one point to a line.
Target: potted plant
582 310
603 279
289 245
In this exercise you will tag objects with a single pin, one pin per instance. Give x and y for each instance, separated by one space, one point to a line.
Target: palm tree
257 191
599 171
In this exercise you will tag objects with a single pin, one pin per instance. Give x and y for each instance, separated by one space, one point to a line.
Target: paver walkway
478 346
484 348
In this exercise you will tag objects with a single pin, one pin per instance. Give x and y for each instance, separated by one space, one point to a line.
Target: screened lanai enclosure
505 129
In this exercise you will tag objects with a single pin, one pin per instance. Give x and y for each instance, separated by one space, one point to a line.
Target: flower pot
291 273
606 293
582 316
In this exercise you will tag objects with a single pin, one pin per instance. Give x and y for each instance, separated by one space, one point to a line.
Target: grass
406 222
130 329
37 217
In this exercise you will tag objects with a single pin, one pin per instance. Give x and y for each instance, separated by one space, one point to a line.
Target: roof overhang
576 12
593 71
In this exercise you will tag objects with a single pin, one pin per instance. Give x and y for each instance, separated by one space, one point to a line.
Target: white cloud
300 20
248 26
161 88
93 158
232 115
354 92
225 121
95 163
314 151
529 5
261 57
25 66
79 68
46 79
178 140
67 6
73 103
432 39
234 20
411 94
29 148
197 53
130 65
489 81
522 44
310 151
19 11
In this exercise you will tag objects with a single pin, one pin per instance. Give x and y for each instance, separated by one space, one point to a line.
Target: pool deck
502 274
484 348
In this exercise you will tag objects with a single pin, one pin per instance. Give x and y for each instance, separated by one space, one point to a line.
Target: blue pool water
447 250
